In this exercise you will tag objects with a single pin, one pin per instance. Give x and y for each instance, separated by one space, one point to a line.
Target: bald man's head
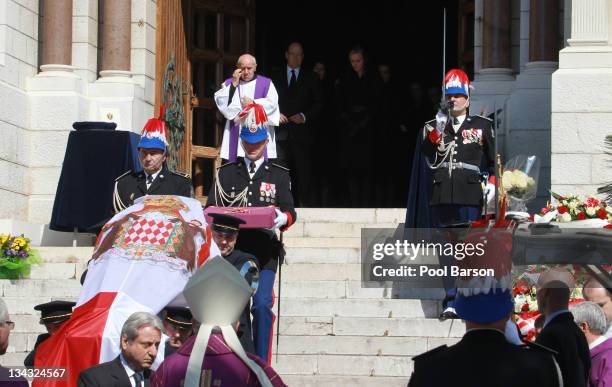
248 65
596 292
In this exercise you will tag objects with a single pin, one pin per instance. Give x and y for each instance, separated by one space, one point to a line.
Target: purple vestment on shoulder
226 366
601 365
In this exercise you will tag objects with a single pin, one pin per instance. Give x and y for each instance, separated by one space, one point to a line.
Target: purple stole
262 85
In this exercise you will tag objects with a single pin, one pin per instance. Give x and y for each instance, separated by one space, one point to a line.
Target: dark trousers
298 157
263 317
444 215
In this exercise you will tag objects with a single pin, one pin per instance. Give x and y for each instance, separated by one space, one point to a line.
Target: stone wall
38 109
581 109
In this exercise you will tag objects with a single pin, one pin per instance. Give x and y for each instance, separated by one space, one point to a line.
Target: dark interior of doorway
403 35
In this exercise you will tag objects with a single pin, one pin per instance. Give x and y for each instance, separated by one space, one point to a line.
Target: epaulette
431 352
280 166
122 176
181 174
540 347
226 164
483 117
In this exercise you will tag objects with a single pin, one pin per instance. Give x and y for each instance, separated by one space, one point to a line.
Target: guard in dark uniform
484 357
156 178
461 151
52 315
225 230
256 182
178 325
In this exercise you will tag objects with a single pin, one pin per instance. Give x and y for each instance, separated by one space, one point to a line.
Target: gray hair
4 314
137 321
592 314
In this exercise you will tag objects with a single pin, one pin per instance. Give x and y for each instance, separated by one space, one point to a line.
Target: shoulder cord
239 200
443 153
118 204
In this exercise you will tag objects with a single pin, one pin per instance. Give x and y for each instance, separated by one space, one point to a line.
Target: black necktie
149 179
138 379
455 121
252 167
292 80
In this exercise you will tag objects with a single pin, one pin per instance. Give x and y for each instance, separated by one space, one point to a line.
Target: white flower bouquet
520 181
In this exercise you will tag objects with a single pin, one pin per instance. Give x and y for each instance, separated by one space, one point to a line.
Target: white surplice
230 110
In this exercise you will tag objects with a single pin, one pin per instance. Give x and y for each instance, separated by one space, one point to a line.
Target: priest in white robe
242 89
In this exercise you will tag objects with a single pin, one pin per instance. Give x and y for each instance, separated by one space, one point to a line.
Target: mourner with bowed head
140 338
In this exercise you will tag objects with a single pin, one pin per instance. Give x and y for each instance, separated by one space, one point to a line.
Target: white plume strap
194 367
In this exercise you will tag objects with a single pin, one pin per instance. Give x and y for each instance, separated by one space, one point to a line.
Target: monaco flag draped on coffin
142 261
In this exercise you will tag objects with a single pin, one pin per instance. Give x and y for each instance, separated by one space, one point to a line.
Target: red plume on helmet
153 135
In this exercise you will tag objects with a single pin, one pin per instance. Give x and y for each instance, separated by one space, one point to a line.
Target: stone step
317 307
13 359
351 215
398 327
348 365
322 255
322 242
65 254
338 380
293 271
49 270
318 229
53 288
359 345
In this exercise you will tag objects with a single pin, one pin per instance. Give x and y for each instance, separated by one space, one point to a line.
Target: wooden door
205 37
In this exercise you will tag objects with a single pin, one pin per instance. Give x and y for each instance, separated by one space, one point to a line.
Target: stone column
496 34
589 23
116 38
543 31
57 35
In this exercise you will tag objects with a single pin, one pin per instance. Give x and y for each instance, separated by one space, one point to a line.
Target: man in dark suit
560 332
256 182
140 338
52 315
484 357
156 178
300 101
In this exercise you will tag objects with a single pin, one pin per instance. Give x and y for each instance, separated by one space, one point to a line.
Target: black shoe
449 313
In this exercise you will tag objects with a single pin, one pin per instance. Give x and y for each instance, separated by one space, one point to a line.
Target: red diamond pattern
149 232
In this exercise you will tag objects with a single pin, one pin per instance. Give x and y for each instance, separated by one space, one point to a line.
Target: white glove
280 220
490 192
441 120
